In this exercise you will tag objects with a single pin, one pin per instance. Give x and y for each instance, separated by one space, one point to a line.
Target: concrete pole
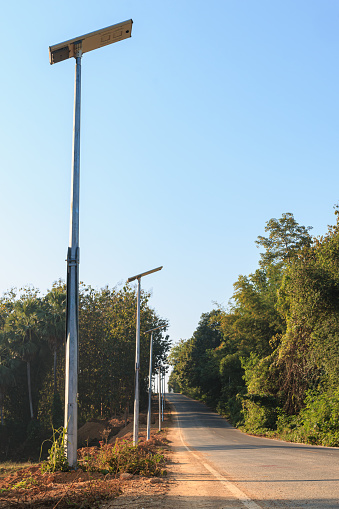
72 319
137 367
149 389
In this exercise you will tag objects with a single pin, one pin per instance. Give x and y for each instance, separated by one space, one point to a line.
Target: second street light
137 355
57 53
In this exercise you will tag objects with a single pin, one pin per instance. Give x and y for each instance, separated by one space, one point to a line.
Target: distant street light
163 394
149 412
137 355
57 53
159 394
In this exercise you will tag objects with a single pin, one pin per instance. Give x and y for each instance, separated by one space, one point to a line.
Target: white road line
240 495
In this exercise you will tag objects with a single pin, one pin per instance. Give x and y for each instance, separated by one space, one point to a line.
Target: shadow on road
198 502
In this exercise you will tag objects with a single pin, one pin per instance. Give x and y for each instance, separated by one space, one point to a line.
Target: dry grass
9 467
28 488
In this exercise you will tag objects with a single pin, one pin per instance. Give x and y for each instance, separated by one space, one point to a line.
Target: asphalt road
265 473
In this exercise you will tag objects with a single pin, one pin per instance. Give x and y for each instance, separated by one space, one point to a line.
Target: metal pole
159 390
137 367
72 322
163 397
149 389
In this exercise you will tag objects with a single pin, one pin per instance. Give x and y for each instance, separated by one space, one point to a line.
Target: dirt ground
188 483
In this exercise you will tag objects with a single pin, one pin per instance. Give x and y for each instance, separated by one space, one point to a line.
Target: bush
316 424
142 459
260 412
231 408
320 418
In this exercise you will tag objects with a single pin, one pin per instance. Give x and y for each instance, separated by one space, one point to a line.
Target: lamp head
91 41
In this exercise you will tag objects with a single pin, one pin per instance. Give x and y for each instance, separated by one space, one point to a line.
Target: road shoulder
188 483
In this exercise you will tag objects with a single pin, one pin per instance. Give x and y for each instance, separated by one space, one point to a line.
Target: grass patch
9 467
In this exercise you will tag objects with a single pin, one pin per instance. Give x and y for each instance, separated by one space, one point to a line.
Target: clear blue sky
213 118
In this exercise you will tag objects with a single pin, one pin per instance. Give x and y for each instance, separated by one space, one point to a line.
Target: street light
165 369
159 395
148 436
57 53
137 356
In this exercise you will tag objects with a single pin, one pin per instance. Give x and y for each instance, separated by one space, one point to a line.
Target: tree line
270 361
32 356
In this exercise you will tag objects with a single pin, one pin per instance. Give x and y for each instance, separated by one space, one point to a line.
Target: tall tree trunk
54 373
29 388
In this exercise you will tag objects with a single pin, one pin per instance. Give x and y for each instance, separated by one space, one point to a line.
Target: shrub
231 408
142 459
316 424
260 412
56 460
320 418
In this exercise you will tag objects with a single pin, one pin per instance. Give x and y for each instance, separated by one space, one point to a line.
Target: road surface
259 472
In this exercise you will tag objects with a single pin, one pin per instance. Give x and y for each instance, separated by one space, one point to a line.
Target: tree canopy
274 363
285 239
32 357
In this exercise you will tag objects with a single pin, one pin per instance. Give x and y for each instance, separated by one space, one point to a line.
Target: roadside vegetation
270 362
32 360
103 473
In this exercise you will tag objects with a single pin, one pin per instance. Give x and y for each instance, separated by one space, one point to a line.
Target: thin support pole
159 390
150 389
72 321
163 397
137 368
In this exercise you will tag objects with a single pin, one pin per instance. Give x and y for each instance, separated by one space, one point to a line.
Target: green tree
107 348
286 238
205 372
52 315
308 356
21 330
180 358
252 323
216 362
